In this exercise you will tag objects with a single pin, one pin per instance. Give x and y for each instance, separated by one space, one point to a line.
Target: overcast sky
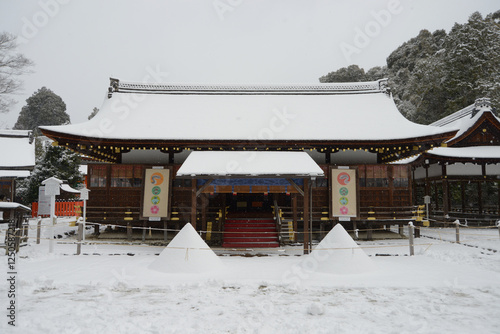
77 45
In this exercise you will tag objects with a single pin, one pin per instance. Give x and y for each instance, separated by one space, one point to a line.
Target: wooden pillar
222 221
427 185
294 214
390 182
446 190
165 232
480 197
129 232
436 196
306 215
193 203
498 194
462 195
204 205
171 157
327 158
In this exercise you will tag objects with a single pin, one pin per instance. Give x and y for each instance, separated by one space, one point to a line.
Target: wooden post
306 216
165 232
129 232
294 213
369 231
17 238
427 185
204 205
410 237
144 231
193 203
457 229
222 221
38 229
480 197
446 199
401 229
462 195
96 229
79 238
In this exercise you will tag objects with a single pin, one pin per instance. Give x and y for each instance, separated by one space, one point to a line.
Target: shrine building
288 159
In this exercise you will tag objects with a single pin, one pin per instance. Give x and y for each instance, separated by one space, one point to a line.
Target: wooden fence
63 209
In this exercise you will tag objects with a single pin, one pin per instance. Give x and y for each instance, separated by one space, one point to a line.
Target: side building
17 160
248 152
463 178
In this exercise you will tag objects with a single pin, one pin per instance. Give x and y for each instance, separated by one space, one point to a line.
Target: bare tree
12 66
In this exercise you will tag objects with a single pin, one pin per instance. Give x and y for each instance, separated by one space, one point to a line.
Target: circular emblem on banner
156 190
343 191
157 178
344 210
155 209
155 199
343 200
344 178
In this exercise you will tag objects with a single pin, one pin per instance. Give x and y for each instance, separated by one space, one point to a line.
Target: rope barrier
36 227
228 249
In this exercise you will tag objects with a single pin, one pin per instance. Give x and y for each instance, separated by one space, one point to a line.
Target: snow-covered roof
471 152
17 150
335 112
14 173
15 133
465 118
246 163
67 188
13 205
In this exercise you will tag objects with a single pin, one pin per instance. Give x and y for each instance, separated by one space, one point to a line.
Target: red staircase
250 233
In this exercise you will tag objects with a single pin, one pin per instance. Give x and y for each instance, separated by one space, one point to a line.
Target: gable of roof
477 125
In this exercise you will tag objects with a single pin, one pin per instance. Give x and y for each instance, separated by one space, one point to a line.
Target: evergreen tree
44 107
56 161
466 67
354 73
435 74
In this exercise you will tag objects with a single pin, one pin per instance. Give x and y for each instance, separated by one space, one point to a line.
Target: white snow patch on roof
479 152
224 116
16 152
14 173
249 163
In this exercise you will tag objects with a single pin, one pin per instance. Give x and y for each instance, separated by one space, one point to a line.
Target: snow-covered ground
444 288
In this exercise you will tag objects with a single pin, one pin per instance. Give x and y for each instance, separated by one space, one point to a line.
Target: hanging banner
344 193
156 196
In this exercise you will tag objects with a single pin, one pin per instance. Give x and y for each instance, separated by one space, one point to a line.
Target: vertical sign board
344 193
156 197
43 202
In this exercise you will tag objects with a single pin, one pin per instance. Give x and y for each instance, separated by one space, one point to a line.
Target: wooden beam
296 186
203 187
